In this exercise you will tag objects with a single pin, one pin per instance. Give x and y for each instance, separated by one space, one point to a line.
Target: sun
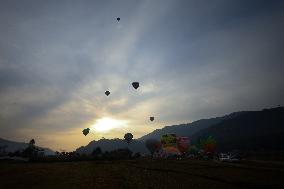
106 124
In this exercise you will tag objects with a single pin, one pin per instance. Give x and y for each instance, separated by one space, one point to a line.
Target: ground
143 174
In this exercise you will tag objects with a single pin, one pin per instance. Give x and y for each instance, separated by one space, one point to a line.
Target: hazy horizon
193 60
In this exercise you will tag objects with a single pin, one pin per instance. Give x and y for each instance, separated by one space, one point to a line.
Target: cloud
193 60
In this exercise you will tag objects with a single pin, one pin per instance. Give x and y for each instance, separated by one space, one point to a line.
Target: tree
97 152
121 154
32 142
137 155
3 151
31 151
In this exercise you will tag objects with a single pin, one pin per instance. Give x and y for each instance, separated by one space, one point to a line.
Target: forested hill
255 130
188 129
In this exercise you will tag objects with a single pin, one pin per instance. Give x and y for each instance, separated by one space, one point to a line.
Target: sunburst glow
107 124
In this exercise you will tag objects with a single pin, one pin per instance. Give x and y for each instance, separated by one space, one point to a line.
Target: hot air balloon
118 19
86 131
208 144
107 93
151 118
153 145
169 140
128 137
171 151
183 144
135 85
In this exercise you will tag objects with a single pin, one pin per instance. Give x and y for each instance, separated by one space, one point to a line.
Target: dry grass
142 174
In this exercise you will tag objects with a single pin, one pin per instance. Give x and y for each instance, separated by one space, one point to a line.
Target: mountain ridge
254 130
236 130
188 129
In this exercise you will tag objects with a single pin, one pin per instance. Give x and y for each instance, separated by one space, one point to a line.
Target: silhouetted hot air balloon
135 85
86 131
152 118
128 137
118 19
107 93
153 145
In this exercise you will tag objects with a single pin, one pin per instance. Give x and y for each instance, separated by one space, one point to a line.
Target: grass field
143 174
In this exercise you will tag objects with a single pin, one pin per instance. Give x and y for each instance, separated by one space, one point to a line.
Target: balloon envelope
153 145
152 118
169 140
208 144
107 93
128 137
86 131
183 144
170 150
135 85
118 19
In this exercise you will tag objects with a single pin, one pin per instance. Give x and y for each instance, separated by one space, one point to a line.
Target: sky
194 59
